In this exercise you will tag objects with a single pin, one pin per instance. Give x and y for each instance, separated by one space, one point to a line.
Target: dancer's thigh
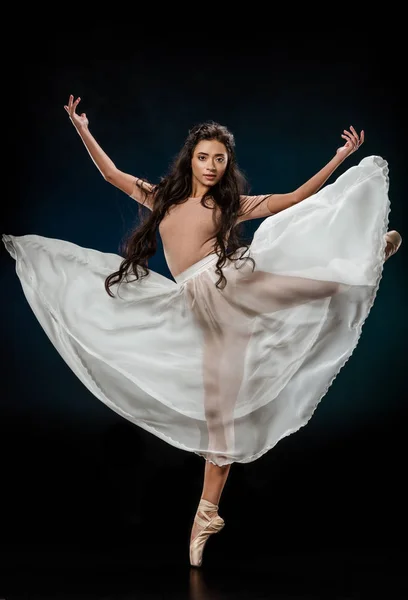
262 292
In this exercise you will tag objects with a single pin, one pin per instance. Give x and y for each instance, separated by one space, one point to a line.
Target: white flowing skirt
222 373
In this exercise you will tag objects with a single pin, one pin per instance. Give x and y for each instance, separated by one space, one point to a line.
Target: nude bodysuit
188 231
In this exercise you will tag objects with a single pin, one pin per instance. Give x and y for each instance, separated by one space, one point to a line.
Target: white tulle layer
222 373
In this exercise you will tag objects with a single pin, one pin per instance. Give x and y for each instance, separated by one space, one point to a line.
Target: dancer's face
209 162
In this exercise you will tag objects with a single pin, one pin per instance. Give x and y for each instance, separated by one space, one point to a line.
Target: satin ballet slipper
209 526
394 241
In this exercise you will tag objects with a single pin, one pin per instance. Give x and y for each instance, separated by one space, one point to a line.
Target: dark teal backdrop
77 479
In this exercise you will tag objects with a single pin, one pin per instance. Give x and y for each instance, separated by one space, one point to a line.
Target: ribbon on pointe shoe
205 507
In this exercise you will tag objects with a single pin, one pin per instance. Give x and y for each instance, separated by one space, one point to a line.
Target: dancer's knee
213 415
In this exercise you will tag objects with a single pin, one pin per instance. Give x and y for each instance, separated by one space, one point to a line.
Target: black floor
241 573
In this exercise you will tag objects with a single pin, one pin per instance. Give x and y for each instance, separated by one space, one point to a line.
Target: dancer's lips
210 176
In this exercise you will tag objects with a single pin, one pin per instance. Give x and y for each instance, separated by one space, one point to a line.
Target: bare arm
278 202
129 184
254 207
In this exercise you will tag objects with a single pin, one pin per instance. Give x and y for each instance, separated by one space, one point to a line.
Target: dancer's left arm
278 202
254 207
314 184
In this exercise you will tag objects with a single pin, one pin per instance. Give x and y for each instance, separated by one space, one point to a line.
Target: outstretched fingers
71 106
353 137
359 139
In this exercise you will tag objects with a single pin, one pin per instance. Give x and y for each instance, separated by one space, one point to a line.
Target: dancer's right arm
136 188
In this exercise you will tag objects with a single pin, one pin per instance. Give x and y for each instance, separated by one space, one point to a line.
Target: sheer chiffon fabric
224 373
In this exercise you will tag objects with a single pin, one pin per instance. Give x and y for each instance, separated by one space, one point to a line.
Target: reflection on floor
325 575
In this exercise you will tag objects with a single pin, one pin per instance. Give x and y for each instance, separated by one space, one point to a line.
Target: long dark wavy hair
176 188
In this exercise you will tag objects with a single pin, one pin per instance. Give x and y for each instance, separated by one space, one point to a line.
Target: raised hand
353 142
77 120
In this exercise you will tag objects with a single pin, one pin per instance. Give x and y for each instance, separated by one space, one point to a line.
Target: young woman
237 352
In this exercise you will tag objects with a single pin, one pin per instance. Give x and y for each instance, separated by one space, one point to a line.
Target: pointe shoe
209 526
394 241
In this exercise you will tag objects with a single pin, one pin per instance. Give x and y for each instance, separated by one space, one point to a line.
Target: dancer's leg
223 367
215 478
224 355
